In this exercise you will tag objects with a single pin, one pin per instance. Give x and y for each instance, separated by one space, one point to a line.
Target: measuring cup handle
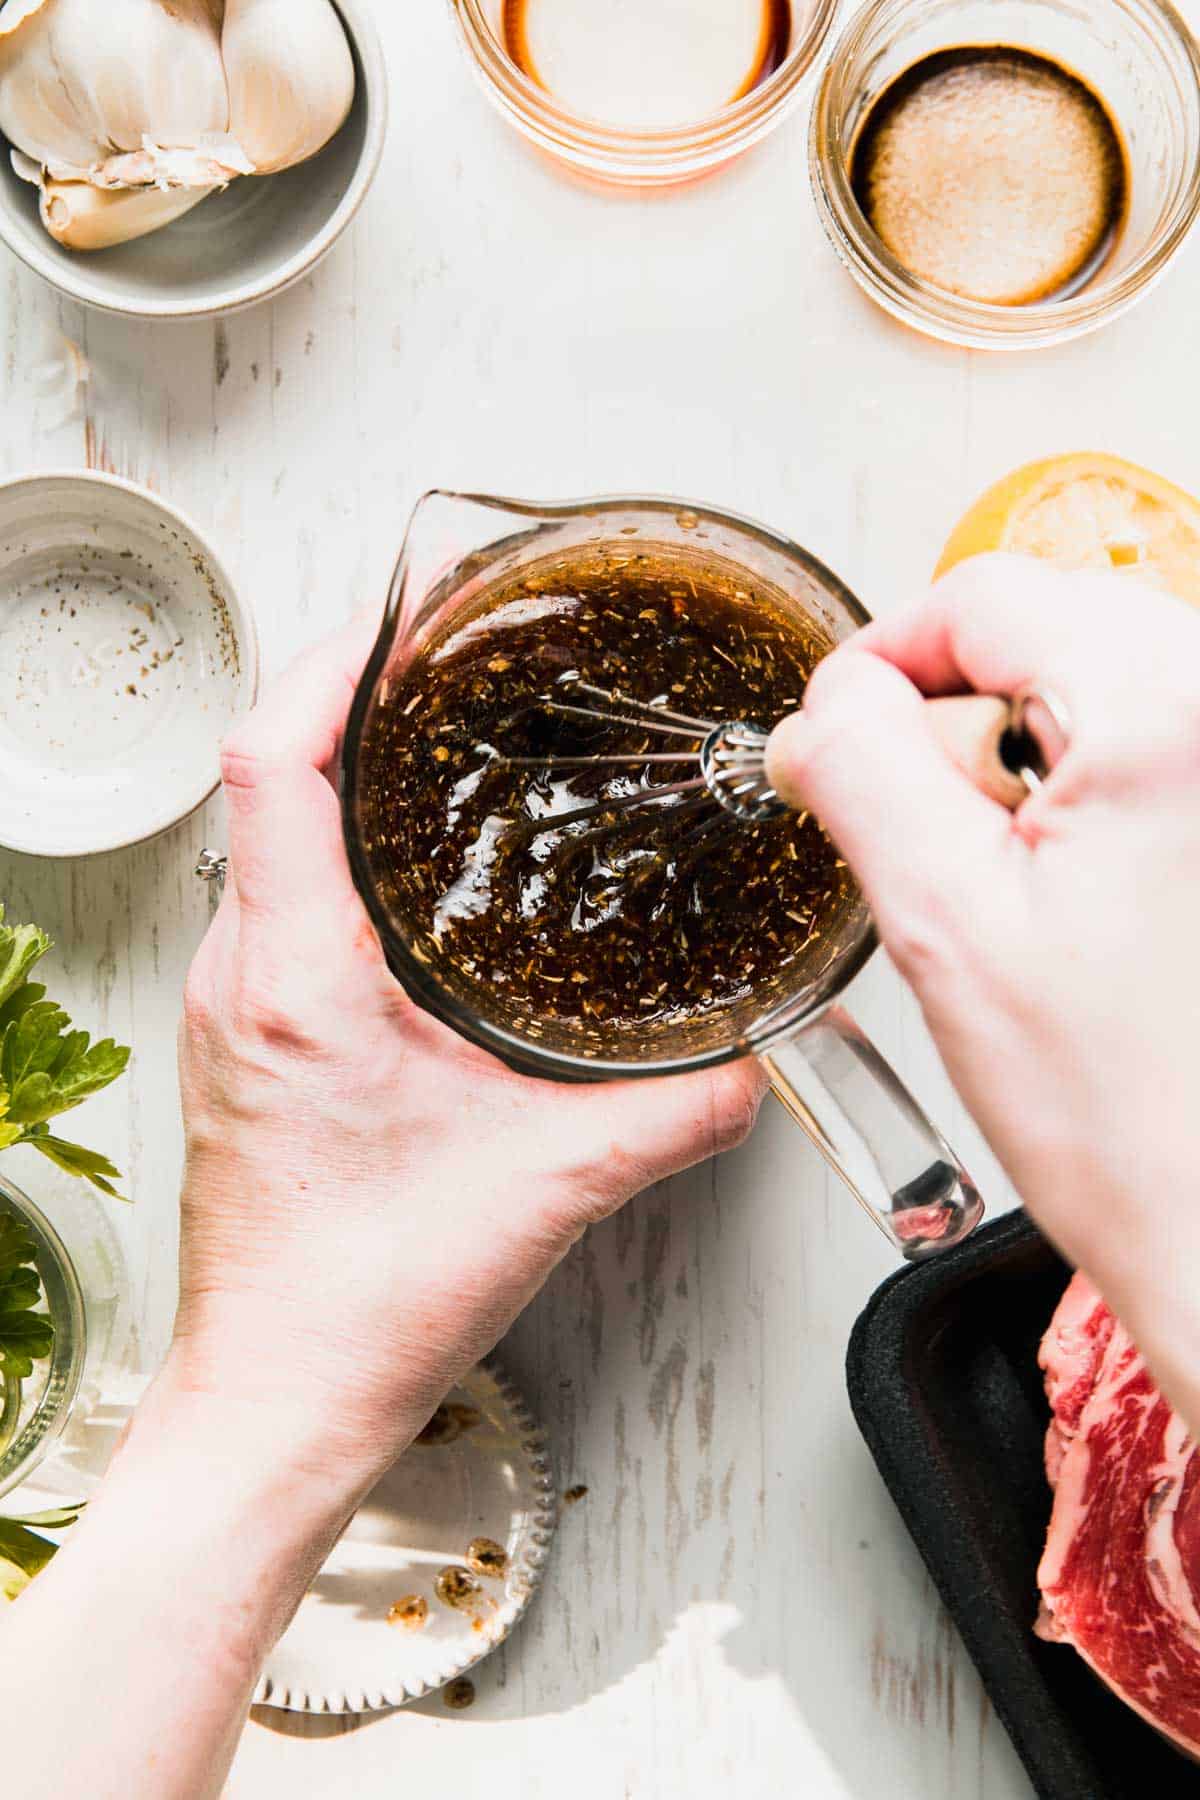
855 1108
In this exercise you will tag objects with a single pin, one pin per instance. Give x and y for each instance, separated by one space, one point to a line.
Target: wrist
262 1423
216 1513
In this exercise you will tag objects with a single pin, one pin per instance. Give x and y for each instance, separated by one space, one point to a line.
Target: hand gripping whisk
988 738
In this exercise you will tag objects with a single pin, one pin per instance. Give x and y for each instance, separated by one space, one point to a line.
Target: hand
370 1200
368 1203
1054 951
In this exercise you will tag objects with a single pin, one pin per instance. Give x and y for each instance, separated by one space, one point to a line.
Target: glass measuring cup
828 1075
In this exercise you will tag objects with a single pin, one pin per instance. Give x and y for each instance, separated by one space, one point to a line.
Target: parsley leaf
26 1336
9 1134
77 1161
21 946
17 1246
21 1546
25 1553
46 1068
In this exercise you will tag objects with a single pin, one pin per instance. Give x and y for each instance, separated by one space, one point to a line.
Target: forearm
1120 1202
1146 1262
129 1664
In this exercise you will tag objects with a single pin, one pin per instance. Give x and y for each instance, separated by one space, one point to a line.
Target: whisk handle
972 729
983 735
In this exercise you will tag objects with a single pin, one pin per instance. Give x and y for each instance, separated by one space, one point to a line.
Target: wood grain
734 1607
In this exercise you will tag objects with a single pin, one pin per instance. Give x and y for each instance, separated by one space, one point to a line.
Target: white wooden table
734 1608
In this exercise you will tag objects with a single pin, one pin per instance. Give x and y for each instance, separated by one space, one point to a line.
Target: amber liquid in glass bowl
644 92
647 65
673 920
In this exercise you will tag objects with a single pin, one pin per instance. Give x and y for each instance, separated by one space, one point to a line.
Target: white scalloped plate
341 1654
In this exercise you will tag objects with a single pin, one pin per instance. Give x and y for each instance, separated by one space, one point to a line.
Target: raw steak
1120 1574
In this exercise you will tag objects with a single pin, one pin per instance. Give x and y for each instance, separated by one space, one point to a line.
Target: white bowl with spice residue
125 654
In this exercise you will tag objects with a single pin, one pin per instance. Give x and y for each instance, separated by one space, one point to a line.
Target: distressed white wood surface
734 1608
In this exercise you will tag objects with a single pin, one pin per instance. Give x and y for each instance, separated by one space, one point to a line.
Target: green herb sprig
46 1068
26 1336
24 1553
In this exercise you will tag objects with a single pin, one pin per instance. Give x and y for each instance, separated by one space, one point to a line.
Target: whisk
729 758
986 737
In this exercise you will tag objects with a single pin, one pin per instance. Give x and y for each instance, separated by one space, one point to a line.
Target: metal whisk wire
728 758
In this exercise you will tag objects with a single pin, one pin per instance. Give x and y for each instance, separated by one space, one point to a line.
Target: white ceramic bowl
237 247
124 656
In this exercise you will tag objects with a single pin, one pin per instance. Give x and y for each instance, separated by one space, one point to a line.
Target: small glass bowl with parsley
47 1069
35 1407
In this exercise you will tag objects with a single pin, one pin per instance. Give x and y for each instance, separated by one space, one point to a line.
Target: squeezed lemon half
1088 510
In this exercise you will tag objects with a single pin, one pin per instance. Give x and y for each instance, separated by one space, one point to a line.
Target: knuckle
922 937
987 572
827 680
737 1096
271 1012
243 761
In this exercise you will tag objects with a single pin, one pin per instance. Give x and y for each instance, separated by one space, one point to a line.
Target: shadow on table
734 1535
312 1725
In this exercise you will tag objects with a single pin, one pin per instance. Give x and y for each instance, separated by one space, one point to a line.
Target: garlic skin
212 162
83 83
82 217
291 78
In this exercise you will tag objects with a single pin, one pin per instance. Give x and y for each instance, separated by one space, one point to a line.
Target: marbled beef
1120 1575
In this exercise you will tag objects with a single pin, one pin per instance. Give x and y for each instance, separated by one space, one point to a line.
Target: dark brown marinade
625 923
959 100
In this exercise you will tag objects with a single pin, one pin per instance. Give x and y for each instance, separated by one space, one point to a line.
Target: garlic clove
291 78
38 110
82 217
84 80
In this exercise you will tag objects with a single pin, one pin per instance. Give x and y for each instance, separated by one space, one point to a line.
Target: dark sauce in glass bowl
602 935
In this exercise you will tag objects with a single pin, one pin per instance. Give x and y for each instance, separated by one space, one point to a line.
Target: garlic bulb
83 83
82 217
128 97
291 78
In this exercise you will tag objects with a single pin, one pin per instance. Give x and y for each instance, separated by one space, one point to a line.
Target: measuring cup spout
469 536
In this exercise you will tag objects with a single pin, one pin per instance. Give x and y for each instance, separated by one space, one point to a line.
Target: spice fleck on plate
487 1558
412 1612
455 1587
448 1423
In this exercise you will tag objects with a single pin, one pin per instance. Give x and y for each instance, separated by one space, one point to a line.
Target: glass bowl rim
777 1023
978 322
572 131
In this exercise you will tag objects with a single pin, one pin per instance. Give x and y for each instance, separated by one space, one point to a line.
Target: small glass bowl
34 1414
1138 56
639 158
